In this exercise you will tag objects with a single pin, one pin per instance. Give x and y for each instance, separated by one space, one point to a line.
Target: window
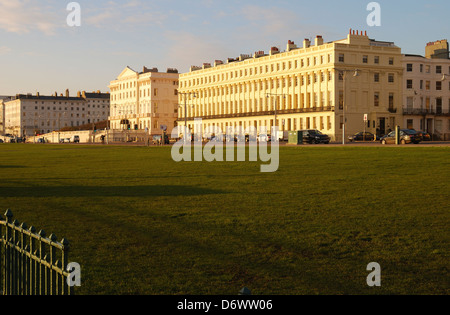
427 69
409 84
438 86
421 68
391 78
409 67
341 99
391 61
341 58
155 92
391 100
427 85
439 106
376 99
365 59
376 60
410 123
438 69
376 77
421 84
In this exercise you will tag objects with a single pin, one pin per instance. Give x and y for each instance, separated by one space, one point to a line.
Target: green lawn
140 223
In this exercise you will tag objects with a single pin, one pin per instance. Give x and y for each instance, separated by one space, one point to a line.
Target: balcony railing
263 113
392 110
425 112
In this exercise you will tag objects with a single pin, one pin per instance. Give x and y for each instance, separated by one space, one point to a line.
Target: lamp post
186 94
344 77
276 106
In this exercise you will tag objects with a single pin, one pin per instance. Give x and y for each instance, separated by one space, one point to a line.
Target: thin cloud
24 16
133 13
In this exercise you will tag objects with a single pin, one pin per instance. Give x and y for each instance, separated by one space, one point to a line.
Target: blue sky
40 52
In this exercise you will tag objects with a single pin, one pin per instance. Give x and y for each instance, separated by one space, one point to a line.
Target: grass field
140 223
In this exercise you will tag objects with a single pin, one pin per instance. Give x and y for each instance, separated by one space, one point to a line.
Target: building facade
144 101
28 115
318 86
3 99
427 91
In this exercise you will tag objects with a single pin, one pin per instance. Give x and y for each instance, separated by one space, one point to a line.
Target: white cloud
24 16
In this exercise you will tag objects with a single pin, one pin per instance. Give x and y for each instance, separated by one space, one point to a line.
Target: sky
40 52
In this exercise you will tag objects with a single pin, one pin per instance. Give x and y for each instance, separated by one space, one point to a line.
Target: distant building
427 90
144 100
317 86
28 115
3 99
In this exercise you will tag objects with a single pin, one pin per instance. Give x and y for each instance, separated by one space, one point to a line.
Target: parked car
157 139
1 141
264 138
75 139
41 140
65 140
363 136
315 136
425 136
406 136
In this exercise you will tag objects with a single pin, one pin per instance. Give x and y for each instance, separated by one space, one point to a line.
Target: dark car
363 136
315 136
425 136
406 136
1 141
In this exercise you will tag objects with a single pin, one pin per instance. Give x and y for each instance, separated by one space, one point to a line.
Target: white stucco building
426 95
28 115
144 100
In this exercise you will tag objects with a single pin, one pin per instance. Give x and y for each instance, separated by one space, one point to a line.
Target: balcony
392 110
426 111
264 113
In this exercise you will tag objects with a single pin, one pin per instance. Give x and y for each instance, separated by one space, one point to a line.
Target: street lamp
344 77
186 94
276 105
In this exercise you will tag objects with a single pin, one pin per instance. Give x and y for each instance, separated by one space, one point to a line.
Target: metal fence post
29 263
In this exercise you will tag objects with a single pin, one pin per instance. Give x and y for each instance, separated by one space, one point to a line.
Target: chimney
258 54
67 93
306 43
244 57
319 40
291 46
274 50
218 62
37 94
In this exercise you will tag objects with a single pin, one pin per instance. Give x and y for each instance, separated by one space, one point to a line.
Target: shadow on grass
12 166
106 191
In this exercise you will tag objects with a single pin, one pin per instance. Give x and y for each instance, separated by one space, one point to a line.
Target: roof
47 98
